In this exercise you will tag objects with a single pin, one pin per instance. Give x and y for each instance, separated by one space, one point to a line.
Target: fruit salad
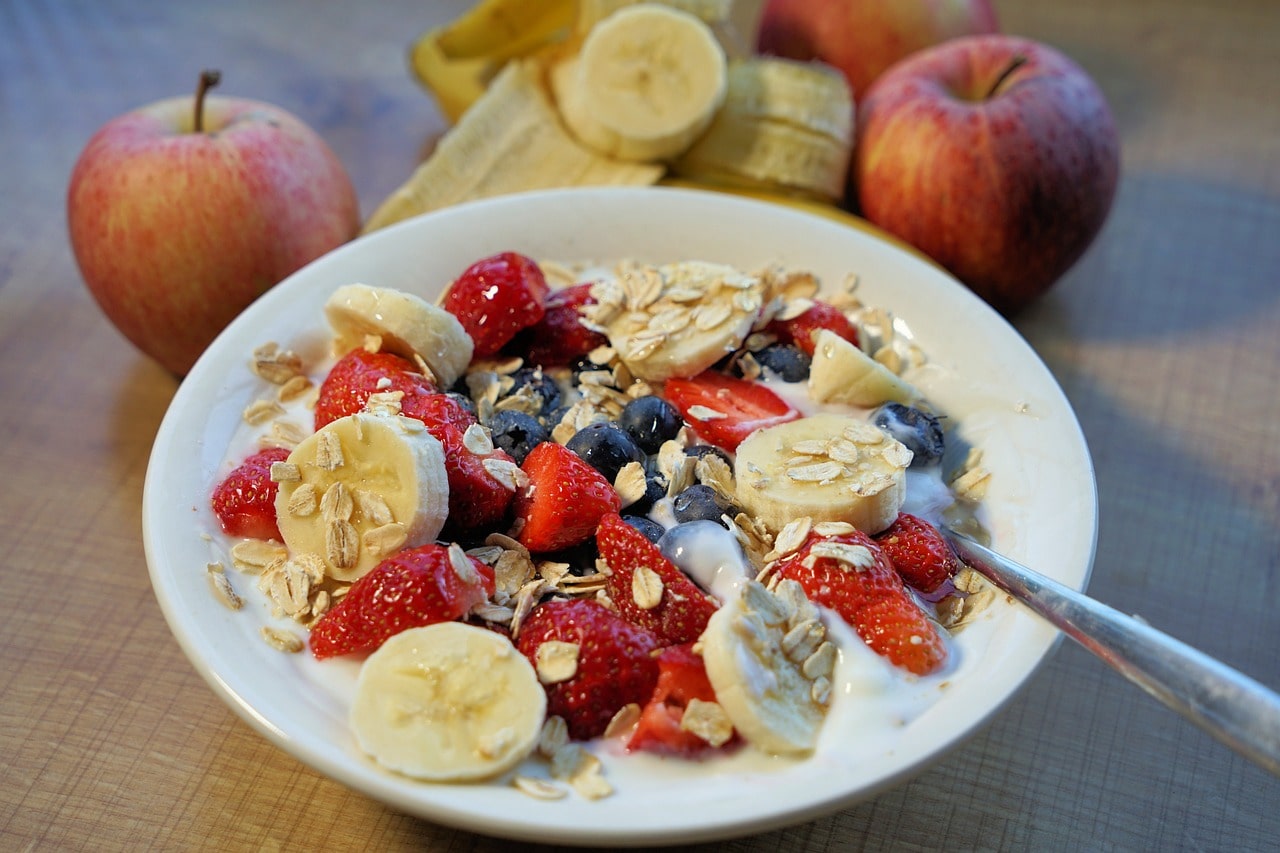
676 509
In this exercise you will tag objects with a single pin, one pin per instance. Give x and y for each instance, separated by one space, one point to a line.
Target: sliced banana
406 324
769 661
677 319
360 488
842 373
645 84
448 703
829 467
784 125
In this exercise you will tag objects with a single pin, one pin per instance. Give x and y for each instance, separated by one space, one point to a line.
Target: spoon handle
1230 706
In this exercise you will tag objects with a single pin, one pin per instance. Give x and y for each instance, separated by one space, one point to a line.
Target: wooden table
1166 338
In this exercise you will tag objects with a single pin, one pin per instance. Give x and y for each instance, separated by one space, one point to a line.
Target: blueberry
606 447
650 421
652 530
536 385
655 489
699 503
920 431
790 363
516 433
697 451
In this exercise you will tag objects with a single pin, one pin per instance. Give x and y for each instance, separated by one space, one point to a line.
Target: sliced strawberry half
799 331
245 501
918 552
559 337
682 679
724 410
564 500
358 375
495 298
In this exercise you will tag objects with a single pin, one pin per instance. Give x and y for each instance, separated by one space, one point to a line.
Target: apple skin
176 232
1005 190
864 37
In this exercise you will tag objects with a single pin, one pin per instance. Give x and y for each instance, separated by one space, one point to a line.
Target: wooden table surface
1166 338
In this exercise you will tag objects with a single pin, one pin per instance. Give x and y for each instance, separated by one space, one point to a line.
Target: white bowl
1041 507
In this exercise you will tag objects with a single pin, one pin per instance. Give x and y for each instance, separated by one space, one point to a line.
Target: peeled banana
829 467
842 373
361 488
448 703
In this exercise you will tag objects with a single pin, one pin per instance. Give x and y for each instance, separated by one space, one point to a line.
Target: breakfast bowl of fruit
611 516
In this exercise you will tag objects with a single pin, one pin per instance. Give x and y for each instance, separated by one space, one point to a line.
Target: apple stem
208 79
1014 64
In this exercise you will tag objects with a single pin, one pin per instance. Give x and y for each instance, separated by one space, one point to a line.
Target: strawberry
559 337
360 373
495 298
871 597
615 662
799 331
415 587
681 613
245 502
746 406
682 677
918 551
564 501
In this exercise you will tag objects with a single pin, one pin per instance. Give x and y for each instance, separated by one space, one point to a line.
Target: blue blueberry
790 363
920 431
650 421
697 451
516 433
532 382
699 503
606 447
651 529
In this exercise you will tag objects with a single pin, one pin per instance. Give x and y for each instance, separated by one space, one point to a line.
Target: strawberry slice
723 409
416 587
245 502
564 501
682 678
615 664
918 552
799 331
358 375
856 580
495 298
682 609
559 337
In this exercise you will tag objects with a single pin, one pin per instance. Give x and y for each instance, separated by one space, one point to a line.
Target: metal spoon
1230 706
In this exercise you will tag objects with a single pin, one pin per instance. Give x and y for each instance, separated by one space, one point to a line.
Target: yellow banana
454 83
498 30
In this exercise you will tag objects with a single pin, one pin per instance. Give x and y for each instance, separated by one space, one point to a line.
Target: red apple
996 156
184 211
864 37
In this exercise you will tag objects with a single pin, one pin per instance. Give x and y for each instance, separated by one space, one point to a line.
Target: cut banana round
448 703
769 661
407 325
677 319
361 488
828 467
842 373
645 84
784 125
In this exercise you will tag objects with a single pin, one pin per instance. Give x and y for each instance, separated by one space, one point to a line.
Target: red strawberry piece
415 587
564 500
917 550
871 597
495 298
245 502
799 331
681 613
437 410
477 499
746 406
359 374
615 662
682 677
559 337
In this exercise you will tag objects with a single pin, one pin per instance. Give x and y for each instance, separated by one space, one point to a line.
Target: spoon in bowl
1230 706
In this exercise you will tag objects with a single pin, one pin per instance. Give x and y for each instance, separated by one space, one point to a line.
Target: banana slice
646 83
827 466
361 488
677 319
407 325
784 125
769 661
448 703
842 373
